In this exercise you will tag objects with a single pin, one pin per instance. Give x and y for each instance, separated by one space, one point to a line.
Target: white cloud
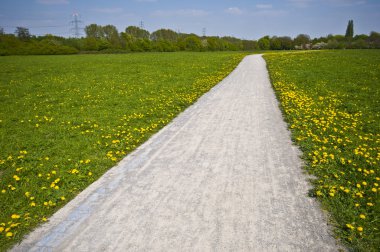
180 13
234 11
347 2
270 13
53 1
264 6
108 10
300 3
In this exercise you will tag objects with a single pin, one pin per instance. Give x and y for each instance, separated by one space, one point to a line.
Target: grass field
331 101
65 120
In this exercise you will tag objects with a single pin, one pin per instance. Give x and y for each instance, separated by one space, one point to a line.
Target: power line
76 29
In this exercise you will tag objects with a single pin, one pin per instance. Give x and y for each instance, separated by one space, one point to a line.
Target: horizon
246 19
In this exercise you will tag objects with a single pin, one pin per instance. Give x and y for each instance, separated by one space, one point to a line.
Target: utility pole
76 29
204 31
141 24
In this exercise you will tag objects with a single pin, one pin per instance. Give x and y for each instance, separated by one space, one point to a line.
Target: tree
23 33
286 43
350 29
164 34
94 31
249 45
137 32
275 43
302 40
374 40
192 43
111 35
264 43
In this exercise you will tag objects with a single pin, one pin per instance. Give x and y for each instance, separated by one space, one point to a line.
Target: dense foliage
107 39
330 100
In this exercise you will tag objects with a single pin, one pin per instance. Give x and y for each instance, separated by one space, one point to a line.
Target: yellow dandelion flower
63 198
15 216
9 234
1 229
350 226
89 173
374 190
362 216
27 194
360 229
17 178
3 191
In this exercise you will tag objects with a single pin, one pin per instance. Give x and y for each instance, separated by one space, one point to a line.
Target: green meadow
65 120
331 102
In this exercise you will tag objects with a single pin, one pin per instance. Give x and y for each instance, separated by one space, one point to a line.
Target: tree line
107 39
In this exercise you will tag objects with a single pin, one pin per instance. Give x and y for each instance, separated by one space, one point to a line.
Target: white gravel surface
223 176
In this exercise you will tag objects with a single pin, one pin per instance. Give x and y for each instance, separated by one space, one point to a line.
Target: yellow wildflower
350 226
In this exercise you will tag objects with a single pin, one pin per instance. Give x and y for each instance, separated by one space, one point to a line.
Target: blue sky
248 19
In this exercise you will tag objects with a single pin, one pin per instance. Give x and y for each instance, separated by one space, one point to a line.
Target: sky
245 19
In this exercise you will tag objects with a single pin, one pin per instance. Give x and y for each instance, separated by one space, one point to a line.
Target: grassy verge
65 120
331 101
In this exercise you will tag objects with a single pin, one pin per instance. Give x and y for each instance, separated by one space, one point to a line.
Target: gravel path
223 176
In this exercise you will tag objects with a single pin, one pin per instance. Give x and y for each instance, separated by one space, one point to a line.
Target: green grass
65 120
331 101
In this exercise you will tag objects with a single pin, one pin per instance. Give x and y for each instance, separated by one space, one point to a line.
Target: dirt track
223 176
